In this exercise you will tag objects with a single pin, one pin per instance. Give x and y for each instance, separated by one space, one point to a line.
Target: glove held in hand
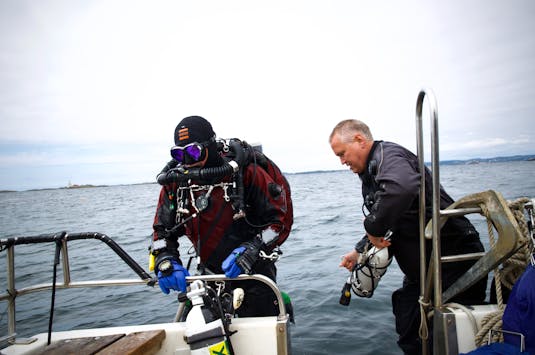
249 256
176 280
229 265
242 259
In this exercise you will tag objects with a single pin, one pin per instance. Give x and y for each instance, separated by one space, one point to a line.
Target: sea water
328 222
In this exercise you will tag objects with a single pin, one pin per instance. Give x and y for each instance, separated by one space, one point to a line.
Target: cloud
104 83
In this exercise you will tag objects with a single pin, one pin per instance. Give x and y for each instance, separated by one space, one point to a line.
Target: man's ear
359 138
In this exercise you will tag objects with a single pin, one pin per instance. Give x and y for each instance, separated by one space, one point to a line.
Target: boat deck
146 342
162 338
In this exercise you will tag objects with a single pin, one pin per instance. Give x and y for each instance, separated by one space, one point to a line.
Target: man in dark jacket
230 213
390 188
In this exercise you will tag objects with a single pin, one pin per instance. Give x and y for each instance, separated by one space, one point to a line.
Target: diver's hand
229 265
349 260
175 280
243 258
378 242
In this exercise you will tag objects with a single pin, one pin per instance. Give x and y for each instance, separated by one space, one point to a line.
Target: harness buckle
273 256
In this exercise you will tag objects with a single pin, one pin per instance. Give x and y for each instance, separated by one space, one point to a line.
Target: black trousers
407 313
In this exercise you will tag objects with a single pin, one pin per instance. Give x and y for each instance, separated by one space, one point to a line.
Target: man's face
352 152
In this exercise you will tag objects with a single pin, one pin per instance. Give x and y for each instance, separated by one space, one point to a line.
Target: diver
233 204
390 188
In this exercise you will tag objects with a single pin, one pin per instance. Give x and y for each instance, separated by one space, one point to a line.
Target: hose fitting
171 173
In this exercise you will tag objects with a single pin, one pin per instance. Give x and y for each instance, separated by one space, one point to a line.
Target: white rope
468 312
423 331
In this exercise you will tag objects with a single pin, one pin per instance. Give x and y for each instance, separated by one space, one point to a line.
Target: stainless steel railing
61 242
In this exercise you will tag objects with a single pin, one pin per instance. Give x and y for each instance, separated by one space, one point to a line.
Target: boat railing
61 242
61 250
489 203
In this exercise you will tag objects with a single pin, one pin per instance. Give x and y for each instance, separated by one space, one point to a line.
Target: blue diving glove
243 258
172 279
229 265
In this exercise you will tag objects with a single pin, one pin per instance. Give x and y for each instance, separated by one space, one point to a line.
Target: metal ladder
444 340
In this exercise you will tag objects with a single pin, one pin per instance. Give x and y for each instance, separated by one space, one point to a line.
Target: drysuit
390 188
215 233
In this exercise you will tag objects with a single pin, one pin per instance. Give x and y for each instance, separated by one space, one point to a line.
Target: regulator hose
161 177
170 173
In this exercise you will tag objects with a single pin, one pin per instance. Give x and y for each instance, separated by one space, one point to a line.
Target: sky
91 91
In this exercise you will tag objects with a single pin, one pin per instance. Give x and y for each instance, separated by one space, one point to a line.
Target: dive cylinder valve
204 336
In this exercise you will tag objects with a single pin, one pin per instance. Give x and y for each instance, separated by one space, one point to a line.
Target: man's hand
379 242
176 280
229 265
349 260
243 258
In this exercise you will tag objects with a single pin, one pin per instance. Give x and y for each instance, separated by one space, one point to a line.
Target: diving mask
193 151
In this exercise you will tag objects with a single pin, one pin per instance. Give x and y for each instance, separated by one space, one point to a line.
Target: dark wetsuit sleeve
164 219
361 244
266 205
398 183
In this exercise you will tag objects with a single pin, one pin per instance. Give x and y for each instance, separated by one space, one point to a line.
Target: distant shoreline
451 162
75 187
489 160
444 162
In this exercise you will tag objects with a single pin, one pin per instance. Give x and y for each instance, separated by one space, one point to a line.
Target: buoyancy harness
371 267
237 155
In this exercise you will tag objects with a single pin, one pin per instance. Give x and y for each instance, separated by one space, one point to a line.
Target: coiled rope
511 270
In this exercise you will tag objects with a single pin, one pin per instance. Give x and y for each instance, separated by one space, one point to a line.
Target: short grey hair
347 129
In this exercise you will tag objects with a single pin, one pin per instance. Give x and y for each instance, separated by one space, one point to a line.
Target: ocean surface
327 224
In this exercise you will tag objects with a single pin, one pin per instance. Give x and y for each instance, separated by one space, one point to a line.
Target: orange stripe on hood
183 134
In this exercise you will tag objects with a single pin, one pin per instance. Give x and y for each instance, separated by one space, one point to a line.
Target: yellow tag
151 262
219 349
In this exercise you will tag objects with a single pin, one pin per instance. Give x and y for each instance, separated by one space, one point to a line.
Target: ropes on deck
510 271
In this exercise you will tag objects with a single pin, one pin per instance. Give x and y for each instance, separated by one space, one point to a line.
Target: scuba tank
205 333
366 274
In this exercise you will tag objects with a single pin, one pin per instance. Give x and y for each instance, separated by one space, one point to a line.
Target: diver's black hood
197 129
214 156
193 129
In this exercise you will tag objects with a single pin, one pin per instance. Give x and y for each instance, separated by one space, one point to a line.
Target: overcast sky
91 91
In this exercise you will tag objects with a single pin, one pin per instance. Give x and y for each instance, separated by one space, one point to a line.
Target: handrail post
437 270
11 321
421 210
65 262
436 201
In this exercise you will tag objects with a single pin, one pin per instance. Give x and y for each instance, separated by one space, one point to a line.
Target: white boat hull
253 336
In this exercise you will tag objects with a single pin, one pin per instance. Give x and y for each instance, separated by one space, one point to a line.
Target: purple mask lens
193 150
177 154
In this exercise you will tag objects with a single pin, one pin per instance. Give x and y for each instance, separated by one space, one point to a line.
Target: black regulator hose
170 173
161 177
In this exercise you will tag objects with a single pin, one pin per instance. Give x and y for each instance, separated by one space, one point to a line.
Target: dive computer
166 267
